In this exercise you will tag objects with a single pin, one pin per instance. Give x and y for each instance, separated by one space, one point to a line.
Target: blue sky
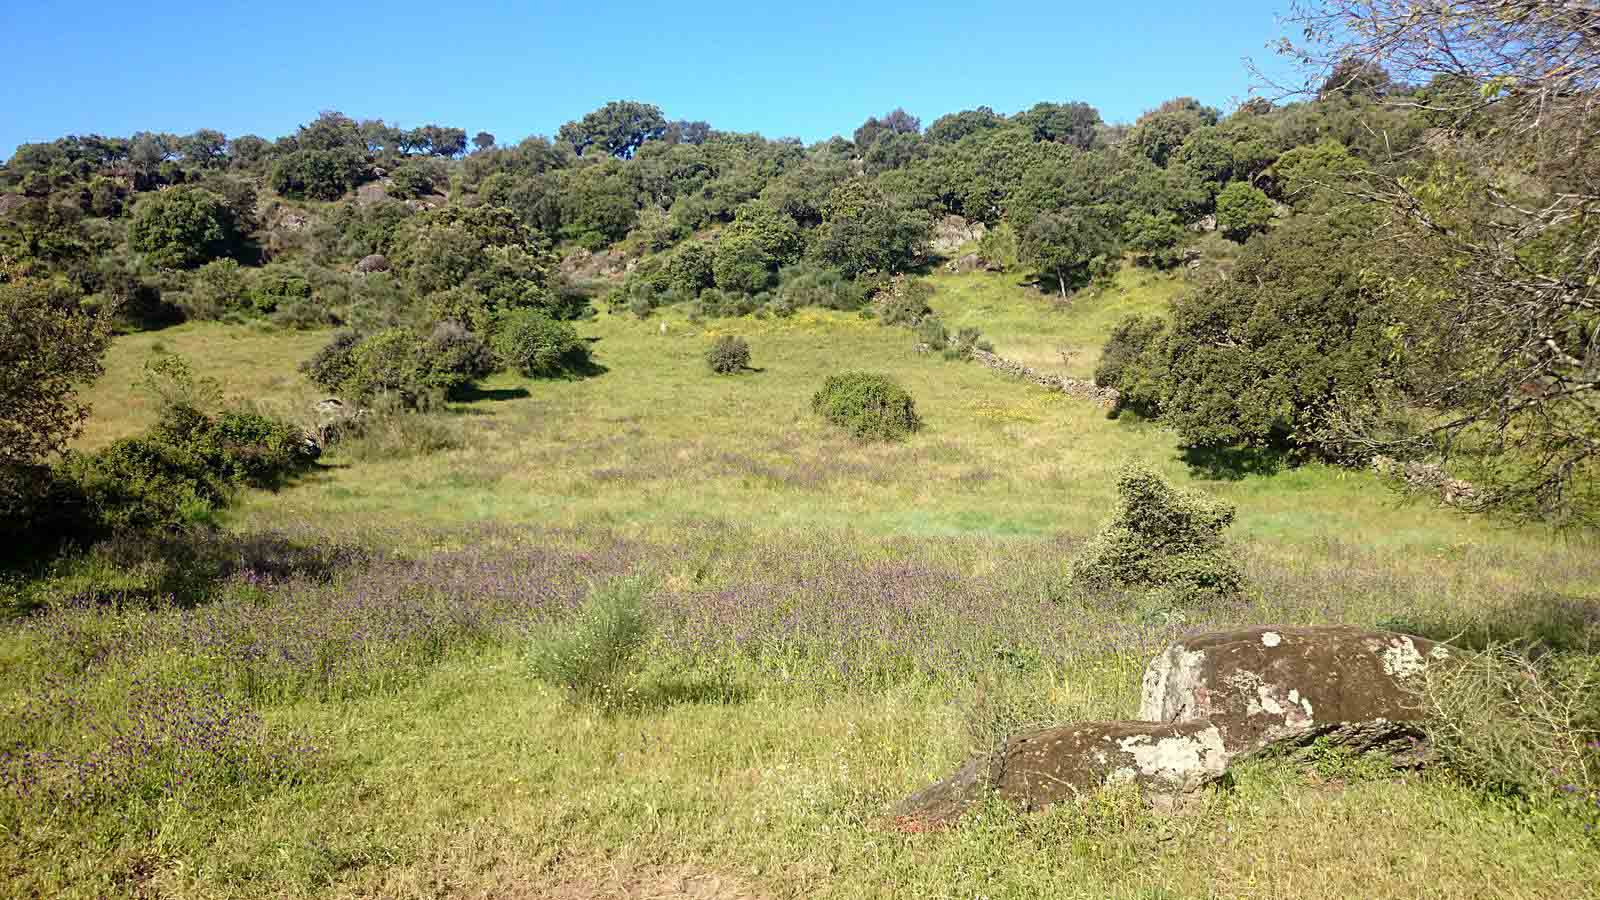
515 69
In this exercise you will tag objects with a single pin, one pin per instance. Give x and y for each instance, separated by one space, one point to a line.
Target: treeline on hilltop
1416 275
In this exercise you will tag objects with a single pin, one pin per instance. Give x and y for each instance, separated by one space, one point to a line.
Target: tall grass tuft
596 658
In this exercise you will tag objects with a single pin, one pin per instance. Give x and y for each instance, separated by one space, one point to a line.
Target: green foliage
1261 356
334 363
215 289
618 128
999 247
183 468
1075 245
808 284
538 346
275 285
401 366
48 350
1154 238
1242 211
597 657
750 250
864 230
1522 726
419 178
486 250
690 269
317 174
729 355
870 406
1160 537
1130 338
182 228
905 302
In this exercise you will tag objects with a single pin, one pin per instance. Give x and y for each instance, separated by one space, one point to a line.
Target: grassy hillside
835 626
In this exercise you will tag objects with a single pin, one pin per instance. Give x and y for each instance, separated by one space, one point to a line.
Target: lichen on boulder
1291 685
1167 762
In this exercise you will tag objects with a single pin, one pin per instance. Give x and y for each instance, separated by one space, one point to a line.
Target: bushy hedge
870 406
175 474
401 363
1160 537
728 355
539 346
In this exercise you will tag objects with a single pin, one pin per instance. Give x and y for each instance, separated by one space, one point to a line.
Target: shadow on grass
1232 463
1541 623
475 394
186 568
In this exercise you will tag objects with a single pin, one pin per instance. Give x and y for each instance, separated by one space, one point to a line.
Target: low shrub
538 346
331 365
870 406
1160 537
597 657
1521 727
178 473
390 430
1133 362
729 355
966 341
933 334
400 363
905 302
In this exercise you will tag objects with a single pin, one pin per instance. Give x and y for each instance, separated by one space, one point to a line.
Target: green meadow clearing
442 768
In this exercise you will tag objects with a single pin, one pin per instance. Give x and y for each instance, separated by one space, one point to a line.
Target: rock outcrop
1208 700
951 232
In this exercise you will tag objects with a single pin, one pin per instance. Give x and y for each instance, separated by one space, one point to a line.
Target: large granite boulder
1277 685
1042 768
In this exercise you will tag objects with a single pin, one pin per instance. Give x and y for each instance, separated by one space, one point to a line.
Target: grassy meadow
333 697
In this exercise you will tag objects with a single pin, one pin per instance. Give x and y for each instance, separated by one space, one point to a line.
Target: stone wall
1076 388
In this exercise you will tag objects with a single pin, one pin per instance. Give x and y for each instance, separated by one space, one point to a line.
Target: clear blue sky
518 68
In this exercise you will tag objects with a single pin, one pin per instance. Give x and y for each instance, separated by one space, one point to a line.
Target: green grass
469 777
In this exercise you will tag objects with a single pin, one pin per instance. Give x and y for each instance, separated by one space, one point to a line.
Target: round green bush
871 407
539 346
729 355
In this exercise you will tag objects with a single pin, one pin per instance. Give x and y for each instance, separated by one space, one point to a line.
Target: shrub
966 341
905 302
275 285
390 430
1134 362
182 228
689 270
1521 727
933 334
999 247
178 472
216 289
384 364
729 355
1242 211
869 406
812 285
332 365
539 346
595 660
1160 537
451 358
50 350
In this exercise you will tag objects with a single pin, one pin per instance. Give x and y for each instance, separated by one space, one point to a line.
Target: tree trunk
1061 283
